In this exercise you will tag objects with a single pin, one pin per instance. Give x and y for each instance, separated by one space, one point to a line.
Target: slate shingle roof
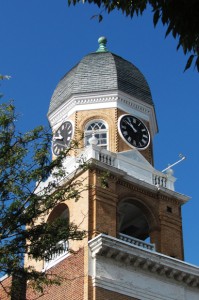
99 72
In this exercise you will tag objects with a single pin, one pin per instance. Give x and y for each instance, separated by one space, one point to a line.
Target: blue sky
41 40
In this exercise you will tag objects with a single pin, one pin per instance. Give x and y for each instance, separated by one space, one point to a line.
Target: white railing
131 162
106 158
160 180
136 242
62 250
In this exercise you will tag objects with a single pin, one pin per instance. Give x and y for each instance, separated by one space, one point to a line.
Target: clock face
62 137
133 132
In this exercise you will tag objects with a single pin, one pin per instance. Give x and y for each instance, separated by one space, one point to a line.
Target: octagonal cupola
102 79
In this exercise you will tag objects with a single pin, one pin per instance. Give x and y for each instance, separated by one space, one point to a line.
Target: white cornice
140 183
121 166
154 262
120 173
113 99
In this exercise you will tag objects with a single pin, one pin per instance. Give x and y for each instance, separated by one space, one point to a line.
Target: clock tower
96 96
131 212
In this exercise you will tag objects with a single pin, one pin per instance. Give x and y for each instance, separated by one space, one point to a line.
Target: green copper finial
102 44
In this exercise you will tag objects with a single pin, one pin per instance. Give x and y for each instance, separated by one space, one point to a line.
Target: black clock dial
133 132
62 137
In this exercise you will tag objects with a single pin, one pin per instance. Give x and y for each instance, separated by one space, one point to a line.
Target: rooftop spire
102 44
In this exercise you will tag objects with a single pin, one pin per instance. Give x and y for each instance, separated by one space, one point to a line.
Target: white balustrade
160 180
58 254
136 242
131 162
107 159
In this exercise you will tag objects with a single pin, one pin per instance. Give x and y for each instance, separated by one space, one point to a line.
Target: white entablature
133 271
114 99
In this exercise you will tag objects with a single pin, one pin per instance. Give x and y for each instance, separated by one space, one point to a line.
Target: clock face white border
71 137
125 140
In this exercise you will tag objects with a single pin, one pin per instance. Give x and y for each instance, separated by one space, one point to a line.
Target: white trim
95 120
112 99
56 261
4 277
125 289
121 165
107 246
100 131
144 274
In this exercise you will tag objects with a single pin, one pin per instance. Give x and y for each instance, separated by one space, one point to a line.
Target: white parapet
59 255
132 163
136 242
134 271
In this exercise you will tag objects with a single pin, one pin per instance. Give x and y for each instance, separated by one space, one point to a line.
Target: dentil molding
112 100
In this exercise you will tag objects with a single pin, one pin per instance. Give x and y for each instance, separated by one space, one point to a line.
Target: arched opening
60 211
134 222
99 129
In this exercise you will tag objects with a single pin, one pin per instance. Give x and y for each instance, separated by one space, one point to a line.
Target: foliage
25 163
181 18
104 179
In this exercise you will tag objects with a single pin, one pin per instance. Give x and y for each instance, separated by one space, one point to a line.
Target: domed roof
100 72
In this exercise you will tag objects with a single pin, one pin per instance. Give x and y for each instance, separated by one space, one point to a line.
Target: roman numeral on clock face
62 137
133 131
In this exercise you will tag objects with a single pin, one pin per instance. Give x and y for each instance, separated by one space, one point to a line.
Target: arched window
99 129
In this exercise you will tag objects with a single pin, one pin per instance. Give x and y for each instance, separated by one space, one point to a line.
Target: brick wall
110 116
5 288
71 270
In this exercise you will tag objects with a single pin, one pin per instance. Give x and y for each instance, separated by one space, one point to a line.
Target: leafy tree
181 18
24 163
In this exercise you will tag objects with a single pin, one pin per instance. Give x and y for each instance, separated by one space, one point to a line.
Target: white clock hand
60 137
131 125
